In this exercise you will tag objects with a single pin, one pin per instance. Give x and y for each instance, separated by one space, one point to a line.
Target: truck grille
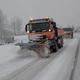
37 36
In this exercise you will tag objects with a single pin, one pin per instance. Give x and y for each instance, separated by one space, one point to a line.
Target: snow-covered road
57 67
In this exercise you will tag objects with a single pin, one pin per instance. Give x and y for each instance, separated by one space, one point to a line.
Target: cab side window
54 25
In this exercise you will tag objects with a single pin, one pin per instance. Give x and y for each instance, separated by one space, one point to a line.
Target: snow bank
77 68
8 52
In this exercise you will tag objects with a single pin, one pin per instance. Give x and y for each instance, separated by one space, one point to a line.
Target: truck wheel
72 36
61 43
56 48
51 49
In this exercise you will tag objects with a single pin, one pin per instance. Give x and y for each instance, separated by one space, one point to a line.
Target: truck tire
72 36
61 44
51 49
56 48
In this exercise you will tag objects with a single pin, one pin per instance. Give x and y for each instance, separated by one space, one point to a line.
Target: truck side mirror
54 25
26 28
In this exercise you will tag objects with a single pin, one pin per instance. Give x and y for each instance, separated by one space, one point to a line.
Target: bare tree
3 24
16 25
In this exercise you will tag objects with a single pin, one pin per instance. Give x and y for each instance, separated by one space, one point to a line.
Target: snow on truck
68 32
44 37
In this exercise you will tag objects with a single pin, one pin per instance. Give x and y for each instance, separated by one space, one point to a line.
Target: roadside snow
7 52
77 70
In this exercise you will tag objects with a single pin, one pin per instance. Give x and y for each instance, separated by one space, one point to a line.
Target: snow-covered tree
16 25
3 24
5 32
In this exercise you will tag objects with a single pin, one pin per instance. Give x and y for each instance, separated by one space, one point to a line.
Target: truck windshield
67 29
39 27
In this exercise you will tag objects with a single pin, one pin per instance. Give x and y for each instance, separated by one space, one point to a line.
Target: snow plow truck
44 37
68 32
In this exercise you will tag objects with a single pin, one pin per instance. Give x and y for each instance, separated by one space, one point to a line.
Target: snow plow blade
42 49
27 44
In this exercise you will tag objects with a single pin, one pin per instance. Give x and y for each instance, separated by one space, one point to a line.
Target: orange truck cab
45 30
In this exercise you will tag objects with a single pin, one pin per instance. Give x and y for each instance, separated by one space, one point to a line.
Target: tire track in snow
12 63
18 66
29 71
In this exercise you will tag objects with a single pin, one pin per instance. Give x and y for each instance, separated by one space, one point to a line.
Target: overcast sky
64 12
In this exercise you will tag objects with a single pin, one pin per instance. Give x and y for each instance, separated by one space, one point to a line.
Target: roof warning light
47 17
31 19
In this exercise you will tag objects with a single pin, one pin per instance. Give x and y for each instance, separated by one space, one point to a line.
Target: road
40 68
